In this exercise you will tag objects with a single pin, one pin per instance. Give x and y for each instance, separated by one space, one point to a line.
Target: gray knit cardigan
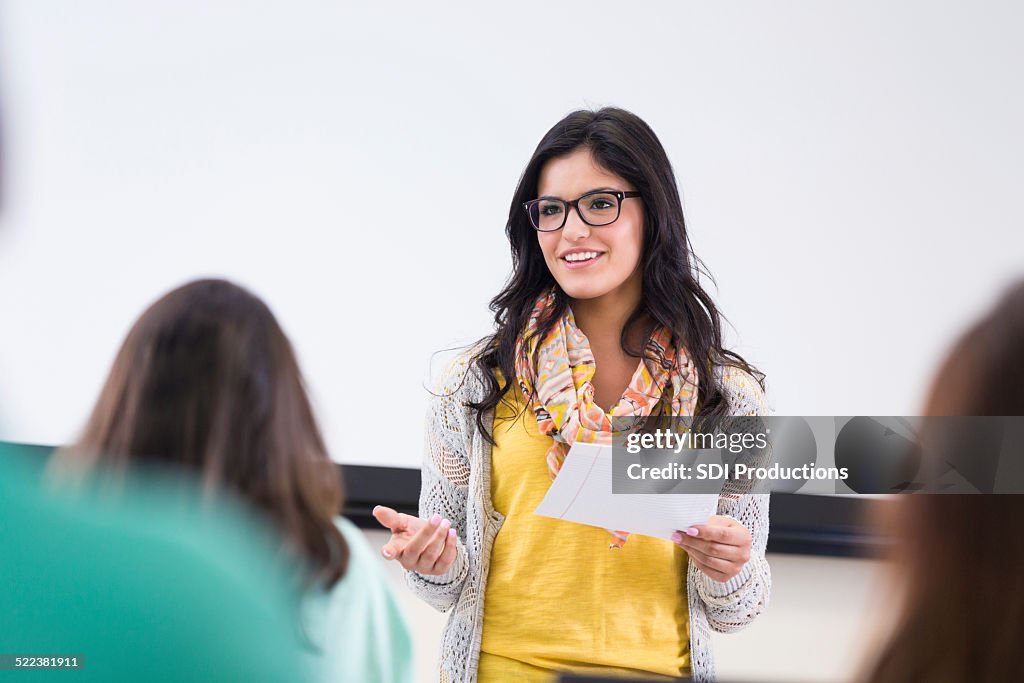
457 486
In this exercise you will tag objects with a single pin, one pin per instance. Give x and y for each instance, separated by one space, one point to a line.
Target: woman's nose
575 229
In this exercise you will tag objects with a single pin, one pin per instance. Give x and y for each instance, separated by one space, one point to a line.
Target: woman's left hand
719 548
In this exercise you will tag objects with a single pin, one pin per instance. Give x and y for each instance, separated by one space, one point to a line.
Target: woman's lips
576 265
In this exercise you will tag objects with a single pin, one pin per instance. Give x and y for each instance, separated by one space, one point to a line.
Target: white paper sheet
582 493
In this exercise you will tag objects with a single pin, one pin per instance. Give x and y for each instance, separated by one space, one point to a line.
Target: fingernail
451 533
677 537
692 531
375 508
445 524
435 520
387 553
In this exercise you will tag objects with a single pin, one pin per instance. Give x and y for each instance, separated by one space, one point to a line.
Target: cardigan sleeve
445 485
733 604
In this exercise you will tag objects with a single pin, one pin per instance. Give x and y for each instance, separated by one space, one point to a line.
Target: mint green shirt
356 629
147 584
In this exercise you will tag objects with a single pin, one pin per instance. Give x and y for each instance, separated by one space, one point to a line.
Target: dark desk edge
831 526
834 526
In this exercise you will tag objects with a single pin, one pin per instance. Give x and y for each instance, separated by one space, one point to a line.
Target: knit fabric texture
456 477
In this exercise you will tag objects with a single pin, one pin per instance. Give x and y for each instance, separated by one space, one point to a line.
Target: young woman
603 316
207 381
956 557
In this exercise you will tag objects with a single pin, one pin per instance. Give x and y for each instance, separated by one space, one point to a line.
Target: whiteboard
850 173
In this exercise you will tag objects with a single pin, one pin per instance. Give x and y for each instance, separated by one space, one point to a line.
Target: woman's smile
575 259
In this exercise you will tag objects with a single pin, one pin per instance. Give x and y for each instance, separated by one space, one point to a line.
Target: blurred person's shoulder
367 572
142 581
362 612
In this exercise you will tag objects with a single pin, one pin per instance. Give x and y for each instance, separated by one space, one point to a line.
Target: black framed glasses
597 208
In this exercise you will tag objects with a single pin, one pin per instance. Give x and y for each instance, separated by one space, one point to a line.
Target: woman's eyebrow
596 189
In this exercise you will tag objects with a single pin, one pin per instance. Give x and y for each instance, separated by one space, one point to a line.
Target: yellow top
558 599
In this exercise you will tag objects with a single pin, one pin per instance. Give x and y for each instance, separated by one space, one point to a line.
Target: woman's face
611 253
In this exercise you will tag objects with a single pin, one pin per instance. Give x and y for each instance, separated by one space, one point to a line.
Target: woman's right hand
427 546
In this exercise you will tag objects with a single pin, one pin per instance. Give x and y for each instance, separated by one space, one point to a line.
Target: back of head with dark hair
959 556
207 380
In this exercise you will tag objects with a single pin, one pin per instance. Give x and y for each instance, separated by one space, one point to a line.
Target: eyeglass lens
595 209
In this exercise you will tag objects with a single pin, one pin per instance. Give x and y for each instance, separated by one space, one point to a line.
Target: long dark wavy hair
207 381
624 144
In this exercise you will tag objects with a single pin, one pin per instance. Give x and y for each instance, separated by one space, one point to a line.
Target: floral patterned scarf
555 374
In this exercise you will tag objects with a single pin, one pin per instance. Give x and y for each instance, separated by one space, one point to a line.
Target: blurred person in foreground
207 381
957 559
145 582
141 583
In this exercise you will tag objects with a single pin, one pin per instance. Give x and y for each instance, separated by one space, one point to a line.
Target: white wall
850 172
825 615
